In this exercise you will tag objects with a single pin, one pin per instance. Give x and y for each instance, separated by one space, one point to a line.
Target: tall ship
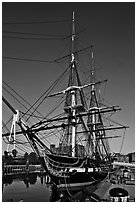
82 156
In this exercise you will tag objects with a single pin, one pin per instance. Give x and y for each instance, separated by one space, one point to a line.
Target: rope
67 187
27 59
35 22
33 34
49 159
28 38
122 140
48 91
22 103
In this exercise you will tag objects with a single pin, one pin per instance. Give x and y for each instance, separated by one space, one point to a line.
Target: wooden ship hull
75 174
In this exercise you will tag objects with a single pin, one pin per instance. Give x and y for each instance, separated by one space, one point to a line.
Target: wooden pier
21 169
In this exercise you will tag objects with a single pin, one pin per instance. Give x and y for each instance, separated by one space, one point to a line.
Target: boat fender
118 195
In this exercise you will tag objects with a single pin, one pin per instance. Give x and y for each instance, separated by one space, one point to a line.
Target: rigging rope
122 140
35 22
5 124
67 187
28 38
114 121
28 59
35 34
25 102
48 91
14 97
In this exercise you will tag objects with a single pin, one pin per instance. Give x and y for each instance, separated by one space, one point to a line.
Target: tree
5 153
33 158
26 156
5 157
14 152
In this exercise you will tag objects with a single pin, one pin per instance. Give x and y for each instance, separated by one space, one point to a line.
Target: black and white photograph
68 101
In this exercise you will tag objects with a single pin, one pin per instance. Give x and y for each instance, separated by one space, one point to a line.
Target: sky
110 27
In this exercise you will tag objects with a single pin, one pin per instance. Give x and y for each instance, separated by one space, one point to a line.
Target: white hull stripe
74 184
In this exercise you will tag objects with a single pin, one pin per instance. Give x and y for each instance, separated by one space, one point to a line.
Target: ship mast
93 96
95 123
73 94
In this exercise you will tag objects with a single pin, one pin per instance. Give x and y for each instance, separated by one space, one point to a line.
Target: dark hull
81 180
76 178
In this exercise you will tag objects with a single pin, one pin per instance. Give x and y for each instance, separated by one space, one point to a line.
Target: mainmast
73 94
95 123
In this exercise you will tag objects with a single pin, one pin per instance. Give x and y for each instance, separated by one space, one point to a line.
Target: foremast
73 94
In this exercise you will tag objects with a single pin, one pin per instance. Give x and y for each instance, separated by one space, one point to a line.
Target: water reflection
25 184
16 184
26 178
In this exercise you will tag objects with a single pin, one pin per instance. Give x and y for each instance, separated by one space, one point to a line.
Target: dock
21 169
104 188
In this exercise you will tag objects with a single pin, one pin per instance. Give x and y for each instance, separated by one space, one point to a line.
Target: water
34 187
26 188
